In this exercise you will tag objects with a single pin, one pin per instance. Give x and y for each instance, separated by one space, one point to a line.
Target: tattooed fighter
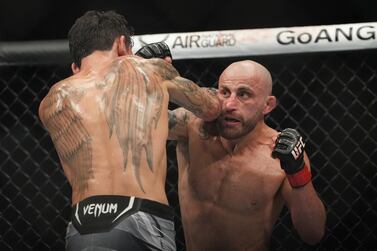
109 125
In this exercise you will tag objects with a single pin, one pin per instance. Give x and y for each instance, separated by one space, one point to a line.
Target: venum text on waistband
97 209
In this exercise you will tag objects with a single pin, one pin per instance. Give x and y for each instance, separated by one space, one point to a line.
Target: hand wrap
289 149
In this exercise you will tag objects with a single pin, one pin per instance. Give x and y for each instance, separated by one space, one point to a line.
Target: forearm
203 102
308 213
307 210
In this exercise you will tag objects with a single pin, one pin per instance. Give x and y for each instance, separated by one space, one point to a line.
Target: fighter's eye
244 95
224 93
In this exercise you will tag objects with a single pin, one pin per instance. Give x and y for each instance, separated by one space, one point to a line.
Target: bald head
250 72
245 94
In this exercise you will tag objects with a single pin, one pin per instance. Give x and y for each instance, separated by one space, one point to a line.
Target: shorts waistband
138 204
157 209
102 212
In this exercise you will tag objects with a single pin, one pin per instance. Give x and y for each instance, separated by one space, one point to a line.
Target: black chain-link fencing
330 97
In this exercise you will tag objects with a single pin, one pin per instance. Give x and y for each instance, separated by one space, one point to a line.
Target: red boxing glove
289 149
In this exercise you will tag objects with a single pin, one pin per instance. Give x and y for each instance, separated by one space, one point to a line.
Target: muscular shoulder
61 89
163 68
47 101
154 64
57 90
55 97
268 135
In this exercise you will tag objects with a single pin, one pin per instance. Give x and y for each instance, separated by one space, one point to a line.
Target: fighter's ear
270 105
121 46
75 69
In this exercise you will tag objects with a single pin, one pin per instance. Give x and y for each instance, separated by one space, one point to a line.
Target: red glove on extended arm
289 149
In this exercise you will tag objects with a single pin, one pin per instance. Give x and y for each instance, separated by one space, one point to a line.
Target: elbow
212 112
210 116
311 231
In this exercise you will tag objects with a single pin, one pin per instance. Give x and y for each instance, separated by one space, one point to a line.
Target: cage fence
331 97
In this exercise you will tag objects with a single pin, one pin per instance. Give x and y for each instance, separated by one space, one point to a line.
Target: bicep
181 90
203 102
185 93
178 124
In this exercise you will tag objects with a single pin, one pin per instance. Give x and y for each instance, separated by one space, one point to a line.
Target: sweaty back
111 126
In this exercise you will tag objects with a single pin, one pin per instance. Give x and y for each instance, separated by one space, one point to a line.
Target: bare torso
109 129
228 201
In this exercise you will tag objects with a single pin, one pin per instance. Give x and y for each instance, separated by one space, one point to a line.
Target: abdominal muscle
210 227
213 219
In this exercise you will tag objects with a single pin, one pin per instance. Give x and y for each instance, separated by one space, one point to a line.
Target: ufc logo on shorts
297 150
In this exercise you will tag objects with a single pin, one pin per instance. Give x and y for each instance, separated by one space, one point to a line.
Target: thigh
155 231
113 240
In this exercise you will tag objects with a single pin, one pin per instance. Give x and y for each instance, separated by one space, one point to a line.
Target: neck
97 60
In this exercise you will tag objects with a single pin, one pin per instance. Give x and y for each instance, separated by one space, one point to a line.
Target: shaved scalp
251 70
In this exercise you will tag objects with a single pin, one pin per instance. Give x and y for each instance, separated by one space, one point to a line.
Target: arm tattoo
179 118
178 121
166 70
172 119
212 90
133 108
70 137
198 98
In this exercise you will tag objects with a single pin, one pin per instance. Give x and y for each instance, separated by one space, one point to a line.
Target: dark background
22 20
331 97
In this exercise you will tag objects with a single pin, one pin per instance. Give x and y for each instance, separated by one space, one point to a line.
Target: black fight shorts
112 222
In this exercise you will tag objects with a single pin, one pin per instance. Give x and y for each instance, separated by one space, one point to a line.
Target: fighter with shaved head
236 173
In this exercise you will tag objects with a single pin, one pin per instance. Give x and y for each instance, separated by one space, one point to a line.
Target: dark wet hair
97 30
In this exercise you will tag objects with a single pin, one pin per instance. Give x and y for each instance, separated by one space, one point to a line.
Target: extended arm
202 102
